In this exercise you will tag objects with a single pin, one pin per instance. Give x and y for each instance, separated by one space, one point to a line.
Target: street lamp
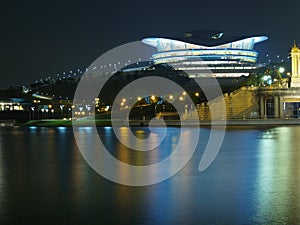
32 108
281 69
43 110
70 113
61 110
267 78
122 105
47 110
141 112
181 99
88 109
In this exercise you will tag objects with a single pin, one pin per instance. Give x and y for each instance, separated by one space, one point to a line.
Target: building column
262 106
280 107
276 107
298 67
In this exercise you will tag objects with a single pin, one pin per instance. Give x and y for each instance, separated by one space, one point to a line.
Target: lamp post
181 99
52 111
88 108
47 115
267 79
70 113
32 109
80 110
43 115
106 111
280 72
61 110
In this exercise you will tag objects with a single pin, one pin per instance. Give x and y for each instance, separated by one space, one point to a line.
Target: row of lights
153 97
9 106
79 71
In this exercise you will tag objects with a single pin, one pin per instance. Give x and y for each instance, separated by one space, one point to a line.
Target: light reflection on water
255 179
278 176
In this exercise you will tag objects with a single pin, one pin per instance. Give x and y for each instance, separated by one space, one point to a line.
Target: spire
295 49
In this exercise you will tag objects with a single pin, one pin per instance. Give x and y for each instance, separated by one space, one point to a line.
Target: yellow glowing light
197 94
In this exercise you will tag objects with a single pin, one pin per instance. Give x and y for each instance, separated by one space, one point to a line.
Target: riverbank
66 123
7 123
106 122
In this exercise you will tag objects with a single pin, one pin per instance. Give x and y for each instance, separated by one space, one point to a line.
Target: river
255 179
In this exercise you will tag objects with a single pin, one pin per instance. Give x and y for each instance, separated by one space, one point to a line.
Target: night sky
43 38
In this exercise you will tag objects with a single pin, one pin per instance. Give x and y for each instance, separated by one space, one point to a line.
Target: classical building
295 55
283 102
207 53
274 101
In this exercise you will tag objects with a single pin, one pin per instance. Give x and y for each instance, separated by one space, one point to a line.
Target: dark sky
43 38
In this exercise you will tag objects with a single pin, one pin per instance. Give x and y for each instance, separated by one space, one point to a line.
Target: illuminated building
207 53
295 55
10 106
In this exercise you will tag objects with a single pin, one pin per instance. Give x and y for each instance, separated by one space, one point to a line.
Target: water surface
255 179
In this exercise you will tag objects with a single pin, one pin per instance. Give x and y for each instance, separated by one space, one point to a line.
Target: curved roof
208 38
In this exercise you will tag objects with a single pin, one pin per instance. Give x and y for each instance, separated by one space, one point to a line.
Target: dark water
255 179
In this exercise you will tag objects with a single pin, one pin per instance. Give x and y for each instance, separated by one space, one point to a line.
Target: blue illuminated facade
207 53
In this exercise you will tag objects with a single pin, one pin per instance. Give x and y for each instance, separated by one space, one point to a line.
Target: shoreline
172 123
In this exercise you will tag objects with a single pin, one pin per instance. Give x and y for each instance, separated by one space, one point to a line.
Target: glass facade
291 109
